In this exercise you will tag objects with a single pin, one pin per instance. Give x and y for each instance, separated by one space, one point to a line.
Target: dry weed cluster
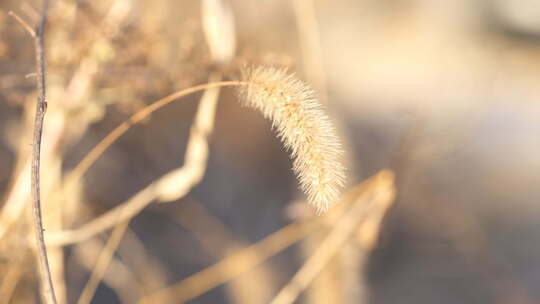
152 182
287 102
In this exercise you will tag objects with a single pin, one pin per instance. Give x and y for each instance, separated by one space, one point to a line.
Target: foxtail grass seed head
302 126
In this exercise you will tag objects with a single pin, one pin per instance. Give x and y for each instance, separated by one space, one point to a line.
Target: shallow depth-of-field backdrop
444 93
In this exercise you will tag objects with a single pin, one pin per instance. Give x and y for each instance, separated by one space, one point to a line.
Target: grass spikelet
302 126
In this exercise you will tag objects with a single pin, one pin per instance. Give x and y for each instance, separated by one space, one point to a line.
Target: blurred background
444 93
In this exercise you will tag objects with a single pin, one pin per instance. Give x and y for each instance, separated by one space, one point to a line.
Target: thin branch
41 107
102 263
24 24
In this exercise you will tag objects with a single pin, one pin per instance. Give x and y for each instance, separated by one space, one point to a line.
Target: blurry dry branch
379 197
310 44
166 188
254 286
118 276
96 152
17 198
102 263
253 255
10 279
233 265
147 269
160 189
330 286
219 30
178 183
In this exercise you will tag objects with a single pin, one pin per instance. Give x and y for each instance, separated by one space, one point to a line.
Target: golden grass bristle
303 127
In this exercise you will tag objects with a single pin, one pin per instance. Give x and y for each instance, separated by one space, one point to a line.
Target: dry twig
41 107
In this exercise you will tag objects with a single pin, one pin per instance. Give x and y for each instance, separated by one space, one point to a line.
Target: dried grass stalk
254 255
219 30
379 196
303 127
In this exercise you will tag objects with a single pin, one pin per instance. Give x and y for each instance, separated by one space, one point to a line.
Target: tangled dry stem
375 199
363 199
170 187
296 115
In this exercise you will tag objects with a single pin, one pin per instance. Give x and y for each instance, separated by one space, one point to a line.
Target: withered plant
292 106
